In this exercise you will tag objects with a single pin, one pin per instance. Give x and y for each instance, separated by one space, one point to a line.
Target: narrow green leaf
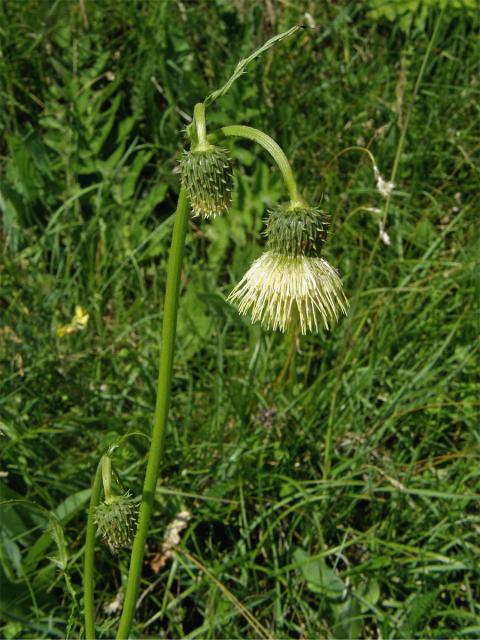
242 65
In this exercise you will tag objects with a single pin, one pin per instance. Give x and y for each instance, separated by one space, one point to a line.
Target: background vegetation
94 99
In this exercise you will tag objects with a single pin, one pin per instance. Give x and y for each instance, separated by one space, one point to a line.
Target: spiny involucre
116 520
296 230
208 177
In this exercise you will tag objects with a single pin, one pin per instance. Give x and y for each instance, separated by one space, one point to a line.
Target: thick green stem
161 412
88 566
274 150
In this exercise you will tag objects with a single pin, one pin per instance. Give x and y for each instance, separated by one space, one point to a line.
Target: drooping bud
116 520
296 230
208 177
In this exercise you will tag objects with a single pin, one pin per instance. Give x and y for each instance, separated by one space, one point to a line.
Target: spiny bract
116 521
281 291
208 178
296 230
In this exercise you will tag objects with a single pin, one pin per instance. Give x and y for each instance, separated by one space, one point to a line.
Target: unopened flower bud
208 178
116 520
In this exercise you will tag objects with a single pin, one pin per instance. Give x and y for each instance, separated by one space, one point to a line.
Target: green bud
296 230
116 520
208 178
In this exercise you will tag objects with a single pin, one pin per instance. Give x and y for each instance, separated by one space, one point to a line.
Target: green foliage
242 65
415 12
95 98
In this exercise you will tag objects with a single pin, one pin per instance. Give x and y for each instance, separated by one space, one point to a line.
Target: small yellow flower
281 290
79 323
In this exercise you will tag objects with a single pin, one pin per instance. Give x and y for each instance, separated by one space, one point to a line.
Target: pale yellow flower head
280 291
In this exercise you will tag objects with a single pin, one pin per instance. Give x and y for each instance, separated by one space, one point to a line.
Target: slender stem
106 463
88 566
354 148
274 150
200 123
289 366
327 460
161 412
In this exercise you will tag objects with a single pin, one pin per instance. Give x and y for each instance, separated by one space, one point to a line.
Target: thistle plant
290 286
116 517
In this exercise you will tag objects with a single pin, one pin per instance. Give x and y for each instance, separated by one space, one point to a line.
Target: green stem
161 412
200 124
88 567
274 150
327 460
106 463
355 148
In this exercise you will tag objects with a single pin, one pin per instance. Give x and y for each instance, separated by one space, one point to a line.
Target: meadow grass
377 537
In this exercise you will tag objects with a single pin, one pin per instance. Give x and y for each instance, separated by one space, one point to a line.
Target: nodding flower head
116 520
290 284
208 178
